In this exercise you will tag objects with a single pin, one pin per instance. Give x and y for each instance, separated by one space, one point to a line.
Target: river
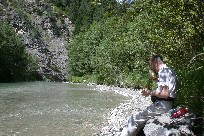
53 109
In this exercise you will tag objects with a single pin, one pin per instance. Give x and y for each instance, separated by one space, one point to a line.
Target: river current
53 109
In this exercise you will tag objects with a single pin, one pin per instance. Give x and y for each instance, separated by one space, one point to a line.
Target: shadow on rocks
141 132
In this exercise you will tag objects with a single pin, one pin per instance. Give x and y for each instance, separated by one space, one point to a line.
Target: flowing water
53 109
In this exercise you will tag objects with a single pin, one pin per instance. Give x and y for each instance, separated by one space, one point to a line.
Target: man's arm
163 93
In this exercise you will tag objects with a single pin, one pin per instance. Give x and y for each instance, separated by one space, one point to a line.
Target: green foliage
190 90
85 79
192 84
84 12
15 63
80 52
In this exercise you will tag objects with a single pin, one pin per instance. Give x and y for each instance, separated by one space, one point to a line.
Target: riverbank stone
166 126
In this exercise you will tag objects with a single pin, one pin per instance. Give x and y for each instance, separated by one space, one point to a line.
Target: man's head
155 62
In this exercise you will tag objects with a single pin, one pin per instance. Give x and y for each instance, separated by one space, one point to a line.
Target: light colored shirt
167 77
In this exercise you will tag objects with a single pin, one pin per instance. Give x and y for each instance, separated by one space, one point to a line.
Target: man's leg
136 122
133 126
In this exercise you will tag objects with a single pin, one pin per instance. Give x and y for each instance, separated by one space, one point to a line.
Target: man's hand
146 92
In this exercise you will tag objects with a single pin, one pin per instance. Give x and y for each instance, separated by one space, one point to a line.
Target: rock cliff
45 32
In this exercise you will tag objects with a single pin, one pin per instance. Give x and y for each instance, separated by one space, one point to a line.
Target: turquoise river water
53 109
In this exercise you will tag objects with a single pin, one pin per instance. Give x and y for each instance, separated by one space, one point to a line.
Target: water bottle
179 112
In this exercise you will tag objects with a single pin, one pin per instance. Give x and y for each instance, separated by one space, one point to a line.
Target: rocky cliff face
45 32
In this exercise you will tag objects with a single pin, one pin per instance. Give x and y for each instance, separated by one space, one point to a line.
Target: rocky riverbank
162 125
117 117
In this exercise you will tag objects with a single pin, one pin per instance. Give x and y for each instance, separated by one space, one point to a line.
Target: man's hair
156 58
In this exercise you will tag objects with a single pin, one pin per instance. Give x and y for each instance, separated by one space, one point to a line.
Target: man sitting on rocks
162 97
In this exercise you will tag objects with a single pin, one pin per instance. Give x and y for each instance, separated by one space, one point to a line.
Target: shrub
15 63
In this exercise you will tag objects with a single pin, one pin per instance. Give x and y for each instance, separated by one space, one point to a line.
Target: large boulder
164 125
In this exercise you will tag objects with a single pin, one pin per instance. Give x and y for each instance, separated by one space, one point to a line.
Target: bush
15 63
